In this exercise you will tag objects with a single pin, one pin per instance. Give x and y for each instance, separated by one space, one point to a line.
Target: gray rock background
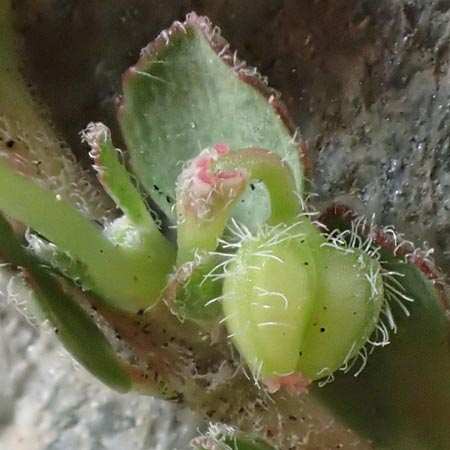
48 402
367 83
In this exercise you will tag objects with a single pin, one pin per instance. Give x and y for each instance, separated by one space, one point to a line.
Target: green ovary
294 305
267 300
346 311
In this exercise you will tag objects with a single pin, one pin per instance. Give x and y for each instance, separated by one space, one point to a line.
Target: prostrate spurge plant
251 266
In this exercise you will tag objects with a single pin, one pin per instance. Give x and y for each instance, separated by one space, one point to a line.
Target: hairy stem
274 172
126 278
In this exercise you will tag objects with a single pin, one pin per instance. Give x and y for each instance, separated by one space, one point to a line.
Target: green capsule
295 305
269 298
347 308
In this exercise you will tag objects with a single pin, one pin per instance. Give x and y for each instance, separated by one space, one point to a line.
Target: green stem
201 232
274 172
193 237
127 278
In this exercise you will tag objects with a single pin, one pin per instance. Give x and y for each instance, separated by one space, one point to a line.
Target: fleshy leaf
401 401
74 325
75 328
129 277
188 93
114 177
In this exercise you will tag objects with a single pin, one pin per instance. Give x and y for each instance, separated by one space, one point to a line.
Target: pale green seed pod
294 305
269 298
347 307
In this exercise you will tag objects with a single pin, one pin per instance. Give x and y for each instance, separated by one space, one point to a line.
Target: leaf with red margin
189 92
401 400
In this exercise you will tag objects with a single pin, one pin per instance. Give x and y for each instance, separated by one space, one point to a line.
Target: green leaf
114 177
128 277
401 400
183 96
75 328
